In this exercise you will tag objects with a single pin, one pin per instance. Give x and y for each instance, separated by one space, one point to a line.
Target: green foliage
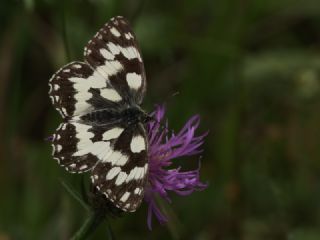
249 68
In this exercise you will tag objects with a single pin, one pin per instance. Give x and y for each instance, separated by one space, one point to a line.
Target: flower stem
110 232
90 225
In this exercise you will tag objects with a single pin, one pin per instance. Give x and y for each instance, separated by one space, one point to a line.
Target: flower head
162 150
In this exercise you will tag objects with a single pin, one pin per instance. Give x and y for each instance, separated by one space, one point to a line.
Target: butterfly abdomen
128 116
99 116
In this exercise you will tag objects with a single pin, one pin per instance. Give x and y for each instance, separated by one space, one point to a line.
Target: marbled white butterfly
103 125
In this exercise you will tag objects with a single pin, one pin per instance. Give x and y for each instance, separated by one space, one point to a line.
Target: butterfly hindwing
114 53
79 146
122 176
69 139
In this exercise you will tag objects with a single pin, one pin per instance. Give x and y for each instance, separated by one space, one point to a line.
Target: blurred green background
251 69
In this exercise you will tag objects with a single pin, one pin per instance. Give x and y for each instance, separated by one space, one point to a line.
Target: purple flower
162 150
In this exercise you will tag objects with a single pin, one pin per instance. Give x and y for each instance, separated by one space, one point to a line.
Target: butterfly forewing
114 53
76 89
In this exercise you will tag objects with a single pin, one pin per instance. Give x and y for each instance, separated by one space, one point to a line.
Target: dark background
249 68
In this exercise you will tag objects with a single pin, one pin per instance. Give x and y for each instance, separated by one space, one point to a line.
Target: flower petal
162 150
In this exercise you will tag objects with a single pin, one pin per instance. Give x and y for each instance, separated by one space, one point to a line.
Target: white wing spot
56 87
64 111
86 146
114 157
59 147
136 173
128 35
113 48
110 94
129 52
115 32
125 197
121 178
137 190
60 126
131 175
109 68
137 144
112 134
127 205
84 166
106 155
122 160
66 70
134 80
145 168
77 66
113 172
106 54
139 173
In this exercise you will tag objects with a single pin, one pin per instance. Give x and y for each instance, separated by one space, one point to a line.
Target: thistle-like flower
162 150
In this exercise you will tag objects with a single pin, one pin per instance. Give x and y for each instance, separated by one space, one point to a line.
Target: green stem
89 226
110 232
74 194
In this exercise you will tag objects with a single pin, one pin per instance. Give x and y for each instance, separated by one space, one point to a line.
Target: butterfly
103 129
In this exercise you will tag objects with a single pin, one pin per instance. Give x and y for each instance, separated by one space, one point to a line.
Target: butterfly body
127 116
103 130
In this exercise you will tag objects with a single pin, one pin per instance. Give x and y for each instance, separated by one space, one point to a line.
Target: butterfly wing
117 157
122 176
77 89
114 49
79 146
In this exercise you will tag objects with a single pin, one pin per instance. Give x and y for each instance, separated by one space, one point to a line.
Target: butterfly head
134 115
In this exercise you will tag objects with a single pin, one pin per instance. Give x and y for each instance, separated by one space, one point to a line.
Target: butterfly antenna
165 102
171 96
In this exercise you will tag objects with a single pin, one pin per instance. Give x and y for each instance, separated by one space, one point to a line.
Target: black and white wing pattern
114 53
77 89
95 99
78 146
122 175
